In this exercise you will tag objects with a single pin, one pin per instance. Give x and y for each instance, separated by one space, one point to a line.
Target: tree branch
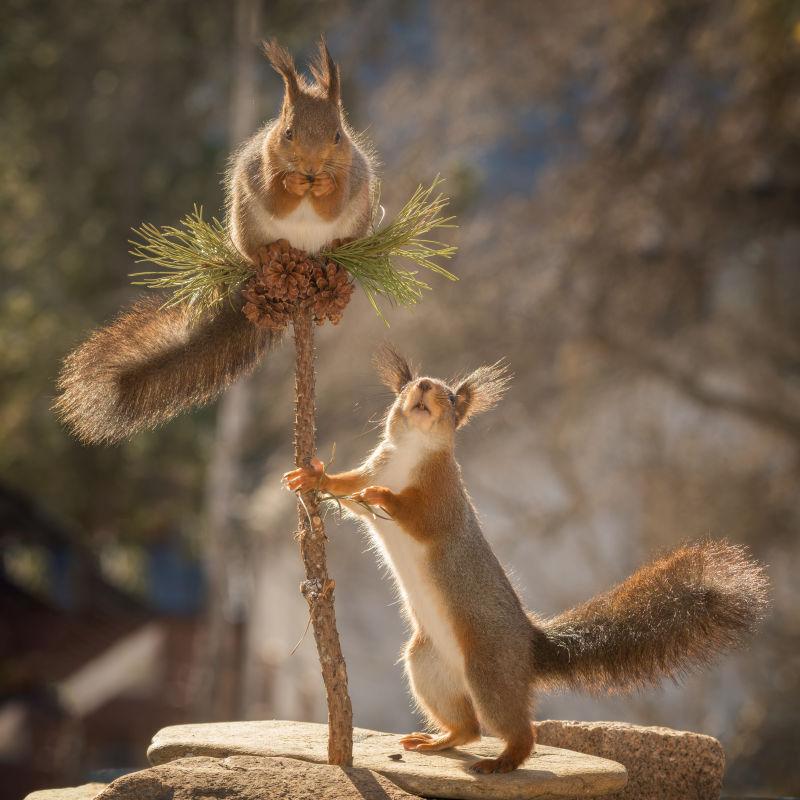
318 586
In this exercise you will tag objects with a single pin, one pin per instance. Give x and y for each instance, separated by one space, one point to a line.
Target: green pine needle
198 261
201 267
369 260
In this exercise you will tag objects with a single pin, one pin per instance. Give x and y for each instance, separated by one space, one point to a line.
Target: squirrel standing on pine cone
302 179
476 655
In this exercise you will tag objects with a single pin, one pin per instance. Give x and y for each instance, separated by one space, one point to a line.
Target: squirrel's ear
326 72
394 370
283 63
480 390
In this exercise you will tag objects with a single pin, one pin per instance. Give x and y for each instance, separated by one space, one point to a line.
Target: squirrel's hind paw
413 740
489 766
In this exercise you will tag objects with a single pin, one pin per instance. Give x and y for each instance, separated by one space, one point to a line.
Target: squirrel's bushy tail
668 618
150 364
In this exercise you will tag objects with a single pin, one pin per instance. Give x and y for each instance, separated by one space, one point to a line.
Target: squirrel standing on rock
476 655
303 177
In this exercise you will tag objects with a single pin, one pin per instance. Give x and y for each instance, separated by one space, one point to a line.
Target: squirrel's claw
305 478
296 184
427 743
323 185
373 496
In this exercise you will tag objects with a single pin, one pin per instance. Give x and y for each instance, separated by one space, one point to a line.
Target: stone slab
86 792
662 763
251 778
551 772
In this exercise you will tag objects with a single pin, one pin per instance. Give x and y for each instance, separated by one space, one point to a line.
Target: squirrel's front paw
374 496
323 185
304 479
295 183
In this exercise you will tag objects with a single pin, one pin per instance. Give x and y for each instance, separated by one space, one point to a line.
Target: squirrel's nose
309 177
424 386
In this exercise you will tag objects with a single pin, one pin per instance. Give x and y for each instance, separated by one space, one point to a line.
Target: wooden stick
318 587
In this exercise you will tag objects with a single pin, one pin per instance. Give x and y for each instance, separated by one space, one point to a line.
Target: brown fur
394 370
282 199
454 715
667 619
670 617
424 508
149 365
283 63
343 483
326 72
480 391
271 174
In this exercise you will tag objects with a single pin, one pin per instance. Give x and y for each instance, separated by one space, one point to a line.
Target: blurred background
626 178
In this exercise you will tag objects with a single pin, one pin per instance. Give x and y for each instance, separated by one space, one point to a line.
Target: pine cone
287 278
329 292
266 313
284 271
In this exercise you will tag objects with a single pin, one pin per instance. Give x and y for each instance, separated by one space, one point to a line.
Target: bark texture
318 586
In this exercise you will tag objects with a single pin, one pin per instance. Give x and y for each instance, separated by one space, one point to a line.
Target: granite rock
662 764
251 778
551 772
86 792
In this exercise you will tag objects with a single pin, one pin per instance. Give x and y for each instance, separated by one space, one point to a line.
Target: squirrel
304 177
476 655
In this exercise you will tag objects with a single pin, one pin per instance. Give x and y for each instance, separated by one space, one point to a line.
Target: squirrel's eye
338 137
289 134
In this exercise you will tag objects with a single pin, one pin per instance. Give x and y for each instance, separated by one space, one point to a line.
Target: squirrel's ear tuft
283 63
326 72
480 390
394 370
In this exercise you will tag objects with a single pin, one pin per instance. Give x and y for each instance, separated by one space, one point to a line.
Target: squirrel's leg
345 483
501 694
442 697
403 507
313 476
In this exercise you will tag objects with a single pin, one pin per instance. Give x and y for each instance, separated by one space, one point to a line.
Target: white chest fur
305 229
407 557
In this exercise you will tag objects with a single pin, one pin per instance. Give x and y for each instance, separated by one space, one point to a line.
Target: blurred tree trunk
220 687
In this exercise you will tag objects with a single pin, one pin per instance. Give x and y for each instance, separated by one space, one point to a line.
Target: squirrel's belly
407 560
305 229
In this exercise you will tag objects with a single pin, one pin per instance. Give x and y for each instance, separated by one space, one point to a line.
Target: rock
662 764
251 778
86 792
550 772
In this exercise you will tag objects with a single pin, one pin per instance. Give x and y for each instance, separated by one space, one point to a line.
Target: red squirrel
475 655
303 177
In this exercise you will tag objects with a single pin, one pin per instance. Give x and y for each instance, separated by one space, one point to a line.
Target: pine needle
198 263
369 259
